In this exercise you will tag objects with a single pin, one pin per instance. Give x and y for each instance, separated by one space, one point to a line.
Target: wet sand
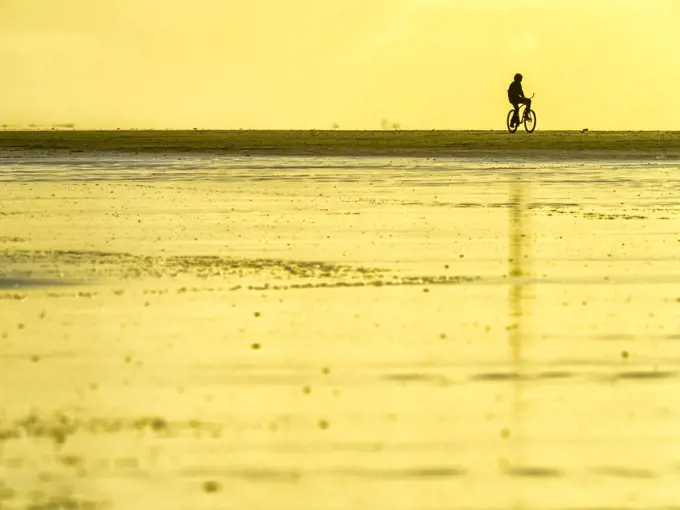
289 332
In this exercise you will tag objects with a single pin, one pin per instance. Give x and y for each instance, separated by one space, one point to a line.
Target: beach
546 145
339 320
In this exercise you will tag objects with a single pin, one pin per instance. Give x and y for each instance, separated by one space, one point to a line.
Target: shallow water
338 333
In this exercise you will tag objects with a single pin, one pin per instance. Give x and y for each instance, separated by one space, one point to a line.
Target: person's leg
515 118
526 101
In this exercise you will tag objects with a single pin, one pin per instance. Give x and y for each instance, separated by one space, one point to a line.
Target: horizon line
324 130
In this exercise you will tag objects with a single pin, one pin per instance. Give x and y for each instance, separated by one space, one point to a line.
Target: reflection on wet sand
23 283
343 333
519 271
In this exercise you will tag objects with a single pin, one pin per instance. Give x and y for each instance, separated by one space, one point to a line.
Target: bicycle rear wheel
511 128
530 121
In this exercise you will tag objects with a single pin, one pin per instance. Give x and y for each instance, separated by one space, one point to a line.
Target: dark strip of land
544 144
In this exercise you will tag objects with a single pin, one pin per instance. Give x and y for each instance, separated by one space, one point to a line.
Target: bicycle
528 118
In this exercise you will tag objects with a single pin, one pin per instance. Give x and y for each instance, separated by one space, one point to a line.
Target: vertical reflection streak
519 271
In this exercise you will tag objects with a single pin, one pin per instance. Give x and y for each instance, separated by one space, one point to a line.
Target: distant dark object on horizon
65 125
584 130
387 124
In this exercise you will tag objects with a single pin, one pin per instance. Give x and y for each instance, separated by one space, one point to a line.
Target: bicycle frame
523 115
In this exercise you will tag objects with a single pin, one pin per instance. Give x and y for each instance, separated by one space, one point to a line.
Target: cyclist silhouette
516 97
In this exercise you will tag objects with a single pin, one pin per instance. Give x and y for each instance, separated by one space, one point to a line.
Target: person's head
518 77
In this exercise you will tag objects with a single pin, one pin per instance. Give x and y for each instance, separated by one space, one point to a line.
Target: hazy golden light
610 64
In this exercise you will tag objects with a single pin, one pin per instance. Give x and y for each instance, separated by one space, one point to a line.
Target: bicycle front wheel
530 121
512 128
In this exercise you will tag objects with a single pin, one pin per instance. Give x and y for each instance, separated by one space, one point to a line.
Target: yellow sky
601 64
